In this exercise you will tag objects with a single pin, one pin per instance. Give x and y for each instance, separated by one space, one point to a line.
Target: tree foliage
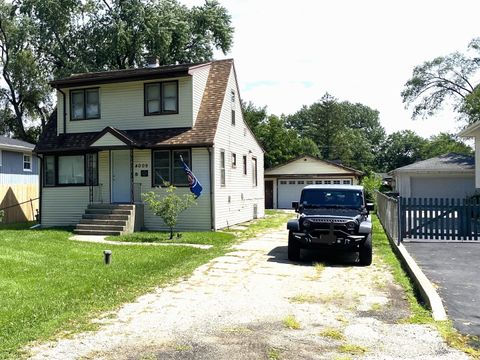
446 79
445 143
42 39
343 131
169 206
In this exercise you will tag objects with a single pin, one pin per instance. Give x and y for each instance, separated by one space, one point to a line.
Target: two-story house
118 134
18 180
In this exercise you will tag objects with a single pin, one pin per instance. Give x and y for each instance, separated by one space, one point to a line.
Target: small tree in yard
168 207
2 214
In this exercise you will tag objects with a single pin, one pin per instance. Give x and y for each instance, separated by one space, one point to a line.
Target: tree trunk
171 233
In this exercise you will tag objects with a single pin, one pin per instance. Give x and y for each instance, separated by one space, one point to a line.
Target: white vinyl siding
235 202
123 106
198 216
108 140
64 206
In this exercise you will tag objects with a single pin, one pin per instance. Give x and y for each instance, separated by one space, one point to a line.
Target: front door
268 194
121 176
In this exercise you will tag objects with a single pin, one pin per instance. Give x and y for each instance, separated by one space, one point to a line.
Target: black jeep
331 217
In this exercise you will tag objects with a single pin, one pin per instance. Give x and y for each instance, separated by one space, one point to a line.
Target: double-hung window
161 98
254 172
84 104
168 168
27 162
222 168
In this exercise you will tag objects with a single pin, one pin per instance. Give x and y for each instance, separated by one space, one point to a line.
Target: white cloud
288 54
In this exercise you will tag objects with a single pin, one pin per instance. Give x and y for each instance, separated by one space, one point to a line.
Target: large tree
445 143
446 80
56 38
399 149
342 130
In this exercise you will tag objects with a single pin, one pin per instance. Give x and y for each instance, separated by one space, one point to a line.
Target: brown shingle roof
202 133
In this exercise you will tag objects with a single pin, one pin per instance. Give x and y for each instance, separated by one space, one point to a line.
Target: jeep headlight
307 223
350 225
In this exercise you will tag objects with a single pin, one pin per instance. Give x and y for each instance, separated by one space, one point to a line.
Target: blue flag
195 186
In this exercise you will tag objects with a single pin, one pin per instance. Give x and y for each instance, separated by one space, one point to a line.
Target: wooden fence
439 219
13 195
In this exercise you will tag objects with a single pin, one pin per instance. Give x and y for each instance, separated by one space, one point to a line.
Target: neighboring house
473 131
284 183
18 180
446 176
118 134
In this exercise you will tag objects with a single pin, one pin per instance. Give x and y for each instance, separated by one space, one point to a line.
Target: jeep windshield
331 198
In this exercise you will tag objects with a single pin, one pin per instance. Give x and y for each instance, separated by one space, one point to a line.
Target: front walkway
455 269
254 304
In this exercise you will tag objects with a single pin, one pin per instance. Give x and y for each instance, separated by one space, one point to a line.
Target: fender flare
293 225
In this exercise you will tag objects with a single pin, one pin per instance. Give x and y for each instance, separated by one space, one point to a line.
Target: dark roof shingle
447 162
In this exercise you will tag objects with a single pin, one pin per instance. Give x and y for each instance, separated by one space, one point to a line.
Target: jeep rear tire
293 248
365 253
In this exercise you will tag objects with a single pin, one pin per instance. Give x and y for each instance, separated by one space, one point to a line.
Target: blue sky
289 53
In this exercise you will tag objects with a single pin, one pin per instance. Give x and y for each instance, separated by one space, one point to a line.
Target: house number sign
142 168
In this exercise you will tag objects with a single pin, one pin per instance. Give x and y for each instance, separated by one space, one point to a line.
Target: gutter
64 110
212 192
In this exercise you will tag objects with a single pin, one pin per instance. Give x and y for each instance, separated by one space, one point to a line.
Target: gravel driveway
247 304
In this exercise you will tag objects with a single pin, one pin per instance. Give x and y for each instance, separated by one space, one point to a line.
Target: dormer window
161 98
84 104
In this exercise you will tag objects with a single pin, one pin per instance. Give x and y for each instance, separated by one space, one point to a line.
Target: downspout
212 192
40 189
64 110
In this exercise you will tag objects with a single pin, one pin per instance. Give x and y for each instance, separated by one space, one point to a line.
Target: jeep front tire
293 248
365 253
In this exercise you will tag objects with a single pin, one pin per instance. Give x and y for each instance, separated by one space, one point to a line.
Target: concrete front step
105 216
111 206
96 232
104 222
100 227
108 211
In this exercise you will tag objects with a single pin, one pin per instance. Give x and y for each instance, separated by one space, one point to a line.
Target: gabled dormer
132 99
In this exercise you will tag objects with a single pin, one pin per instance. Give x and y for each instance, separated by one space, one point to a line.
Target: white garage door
290 189
446 187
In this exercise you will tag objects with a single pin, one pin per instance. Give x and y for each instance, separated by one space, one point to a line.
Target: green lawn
49 284
204 237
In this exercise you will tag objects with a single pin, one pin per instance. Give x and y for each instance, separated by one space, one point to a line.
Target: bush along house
118 134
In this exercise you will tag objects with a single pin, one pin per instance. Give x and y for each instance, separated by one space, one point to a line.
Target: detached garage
446 176
284 183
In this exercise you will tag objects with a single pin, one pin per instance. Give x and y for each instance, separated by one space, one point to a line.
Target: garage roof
310 165
451 162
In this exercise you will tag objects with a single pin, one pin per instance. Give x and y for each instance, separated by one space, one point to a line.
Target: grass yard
51 285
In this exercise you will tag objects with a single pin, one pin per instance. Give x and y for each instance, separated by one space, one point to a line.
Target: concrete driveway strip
455 269
254 304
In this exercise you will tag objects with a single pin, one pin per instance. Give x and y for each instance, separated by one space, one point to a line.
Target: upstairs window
161 98
84 104
27 163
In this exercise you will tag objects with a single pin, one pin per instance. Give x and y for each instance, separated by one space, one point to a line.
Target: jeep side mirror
370 207
295 205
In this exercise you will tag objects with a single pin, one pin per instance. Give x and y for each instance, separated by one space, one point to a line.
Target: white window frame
234 160
30 162
223 170
0 157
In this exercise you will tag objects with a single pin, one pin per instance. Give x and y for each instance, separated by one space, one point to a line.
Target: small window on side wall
27 162
234 160
222 168
254 172
49 171
244 164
